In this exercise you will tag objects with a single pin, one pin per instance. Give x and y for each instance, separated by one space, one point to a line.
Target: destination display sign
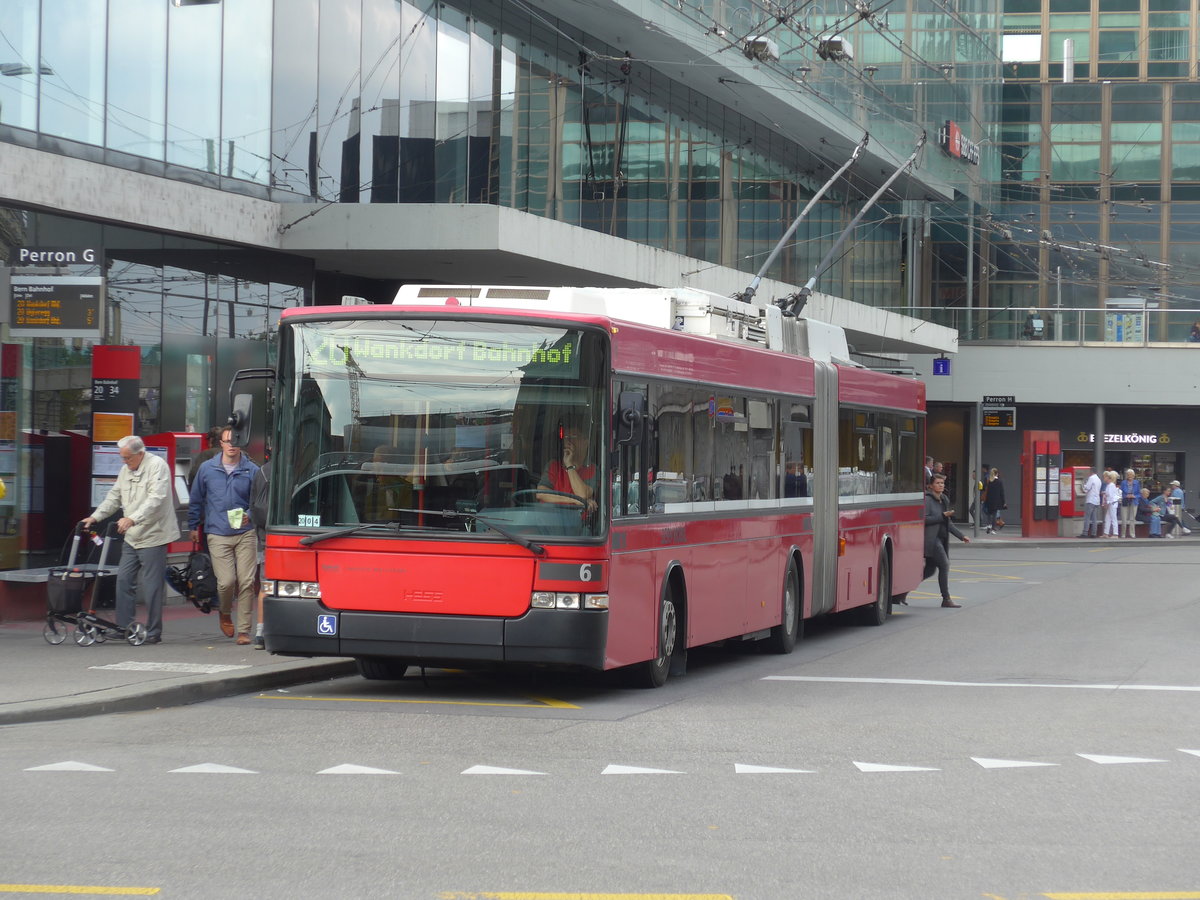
53 306
999 418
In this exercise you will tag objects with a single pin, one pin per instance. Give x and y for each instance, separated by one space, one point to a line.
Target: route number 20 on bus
597 478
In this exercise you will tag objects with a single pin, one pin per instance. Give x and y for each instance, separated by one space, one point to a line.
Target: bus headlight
307 590
567 600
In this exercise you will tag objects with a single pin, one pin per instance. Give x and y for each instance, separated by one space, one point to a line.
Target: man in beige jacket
148 522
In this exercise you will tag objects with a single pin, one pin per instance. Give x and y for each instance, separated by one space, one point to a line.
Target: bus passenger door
824 488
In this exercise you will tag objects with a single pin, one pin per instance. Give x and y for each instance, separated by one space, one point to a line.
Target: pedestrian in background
1111 499
258 512
1131 493
938 528
1177 503
995 502
213 440
1166 513
1091 505
220 504
143 494
1149 513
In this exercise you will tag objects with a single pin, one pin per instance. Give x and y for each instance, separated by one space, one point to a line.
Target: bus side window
671 408
797 449
760 415
630 478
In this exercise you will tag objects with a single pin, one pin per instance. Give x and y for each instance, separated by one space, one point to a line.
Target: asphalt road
1042 741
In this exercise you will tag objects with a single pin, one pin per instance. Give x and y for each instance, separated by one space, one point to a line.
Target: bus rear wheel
877 612
784 636
653 672
374 668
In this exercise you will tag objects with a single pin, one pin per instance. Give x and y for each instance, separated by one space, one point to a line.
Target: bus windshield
440 427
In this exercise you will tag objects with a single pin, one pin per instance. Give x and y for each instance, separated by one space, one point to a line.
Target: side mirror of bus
631 413
240 419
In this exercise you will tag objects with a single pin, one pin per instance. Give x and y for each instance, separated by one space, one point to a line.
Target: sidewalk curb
179 691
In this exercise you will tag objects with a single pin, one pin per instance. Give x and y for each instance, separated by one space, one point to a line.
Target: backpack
196 581
201 577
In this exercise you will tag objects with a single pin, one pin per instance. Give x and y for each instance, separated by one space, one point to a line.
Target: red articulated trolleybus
583 477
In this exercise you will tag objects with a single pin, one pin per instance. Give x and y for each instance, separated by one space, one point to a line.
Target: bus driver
574 474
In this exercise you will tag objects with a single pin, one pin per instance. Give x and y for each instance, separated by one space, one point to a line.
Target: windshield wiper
518 539
343 532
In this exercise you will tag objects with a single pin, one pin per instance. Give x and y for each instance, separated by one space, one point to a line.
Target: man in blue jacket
220 504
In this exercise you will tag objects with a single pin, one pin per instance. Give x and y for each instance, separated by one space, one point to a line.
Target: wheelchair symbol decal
326 624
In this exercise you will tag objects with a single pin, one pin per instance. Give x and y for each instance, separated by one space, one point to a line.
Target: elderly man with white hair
148 523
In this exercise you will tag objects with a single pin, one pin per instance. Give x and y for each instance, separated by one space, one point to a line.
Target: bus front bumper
295 627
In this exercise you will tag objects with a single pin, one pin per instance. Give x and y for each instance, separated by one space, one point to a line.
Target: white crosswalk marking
880 767
214 769
635 770
743 769
496 770
350 769
1007 763
69 766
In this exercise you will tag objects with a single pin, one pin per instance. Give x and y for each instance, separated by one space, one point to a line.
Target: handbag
997 523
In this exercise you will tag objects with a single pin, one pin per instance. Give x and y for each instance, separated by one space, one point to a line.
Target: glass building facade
389 101
1100 131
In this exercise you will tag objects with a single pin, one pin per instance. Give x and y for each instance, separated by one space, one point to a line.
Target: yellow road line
542 702
526 895
959 571
77 889
1128 895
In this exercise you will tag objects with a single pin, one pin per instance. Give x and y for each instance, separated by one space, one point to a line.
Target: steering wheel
519 498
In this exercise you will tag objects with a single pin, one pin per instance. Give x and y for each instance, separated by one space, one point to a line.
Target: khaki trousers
235 561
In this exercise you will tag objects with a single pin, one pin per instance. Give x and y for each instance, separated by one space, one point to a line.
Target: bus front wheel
375 668
653 672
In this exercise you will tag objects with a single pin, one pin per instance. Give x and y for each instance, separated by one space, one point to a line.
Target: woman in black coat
993 501
938 529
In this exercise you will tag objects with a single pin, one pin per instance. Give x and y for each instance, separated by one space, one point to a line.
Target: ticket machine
1071 498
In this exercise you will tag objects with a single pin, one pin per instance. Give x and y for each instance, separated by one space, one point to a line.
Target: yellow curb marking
541 703
76 889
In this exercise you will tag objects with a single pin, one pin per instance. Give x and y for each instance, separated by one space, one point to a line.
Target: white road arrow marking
496 770
635 770
879 767
1116 760
69 766
743 769
215 769
1007 763
351 769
